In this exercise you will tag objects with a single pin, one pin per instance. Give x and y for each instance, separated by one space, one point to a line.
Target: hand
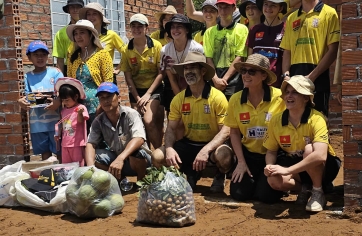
239 172
200 161
279 170
24 104
116 71
144 100
220 84
287 78
80 111
116 167
56 138
53 105
172 158
267 171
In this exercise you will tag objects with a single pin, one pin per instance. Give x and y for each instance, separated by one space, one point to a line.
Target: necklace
183 51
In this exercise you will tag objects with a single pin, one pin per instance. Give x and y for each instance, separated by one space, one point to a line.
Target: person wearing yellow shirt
140 64
299 156
201 109
94 12
162 18
249 113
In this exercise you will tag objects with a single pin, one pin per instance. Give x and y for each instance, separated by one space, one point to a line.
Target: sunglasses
250 71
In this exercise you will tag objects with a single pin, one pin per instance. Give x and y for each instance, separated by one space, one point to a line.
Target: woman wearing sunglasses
248 116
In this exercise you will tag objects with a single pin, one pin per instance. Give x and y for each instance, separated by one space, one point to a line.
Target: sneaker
304 195
218 183
316 202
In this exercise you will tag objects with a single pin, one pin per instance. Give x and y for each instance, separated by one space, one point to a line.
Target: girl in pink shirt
74 116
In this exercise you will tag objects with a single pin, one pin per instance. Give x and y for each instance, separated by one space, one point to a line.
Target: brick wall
352 92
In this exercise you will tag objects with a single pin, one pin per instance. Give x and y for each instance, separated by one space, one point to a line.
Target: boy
42 119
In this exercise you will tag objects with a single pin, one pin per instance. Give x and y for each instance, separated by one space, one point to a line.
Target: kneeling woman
249 113
140 64
307 160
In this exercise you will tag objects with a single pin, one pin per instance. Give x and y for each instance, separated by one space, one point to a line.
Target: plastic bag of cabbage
93 193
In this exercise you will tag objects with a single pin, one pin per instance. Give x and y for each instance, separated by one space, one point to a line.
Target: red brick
349 149
334 106
349 10
351 88
349 73
15 139
23 16
353 163
8 53
349 42
20 150
2 43
38 9
349 103
13 118
32 2
4 87
356 134
352 118
351 26
347 133
3 65
27 26
44 2
11 96
11 42
5 129
13 64
351 57
5 32
7 150
2 139
7 107
10 76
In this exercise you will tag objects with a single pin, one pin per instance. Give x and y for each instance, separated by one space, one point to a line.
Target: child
74 116
42 119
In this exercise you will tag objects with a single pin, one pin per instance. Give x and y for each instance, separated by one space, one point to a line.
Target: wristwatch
284 75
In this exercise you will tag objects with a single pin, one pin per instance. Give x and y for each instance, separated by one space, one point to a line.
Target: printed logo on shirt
52 81
244 118
207 109
103 44
256 132
268 116
259 36
315 23
296 25
186 109
285 140
150 60
133 60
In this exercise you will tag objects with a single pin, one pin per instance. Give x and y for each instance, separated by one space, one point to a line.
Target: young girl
74 116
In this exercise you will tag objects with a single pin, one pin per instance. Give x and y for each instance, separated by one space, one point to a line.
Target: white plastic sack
7 181
57 204
16 167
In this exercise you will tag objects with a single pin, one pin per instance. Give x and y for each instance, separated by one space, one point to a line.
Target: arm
173 81
80 117
231 71
270 159
145 98
131 85
220 84
90 154
286 61
60 64
172 157
325 62
192 13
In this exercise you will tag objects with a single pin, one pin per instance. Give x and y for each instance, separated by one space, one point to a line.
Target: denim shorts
106 157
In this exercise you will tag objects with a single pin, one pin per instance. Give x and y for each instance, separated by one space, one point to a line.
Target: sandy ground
216 214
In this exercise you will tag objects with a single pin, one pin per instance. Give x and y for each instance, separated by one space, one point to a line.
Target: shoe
316 202
218 183
304 195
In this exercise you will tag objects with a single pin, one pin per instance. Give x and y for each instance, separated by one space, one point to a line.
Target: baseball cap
140 18
36 45
230 2
108 87
47 180
211 3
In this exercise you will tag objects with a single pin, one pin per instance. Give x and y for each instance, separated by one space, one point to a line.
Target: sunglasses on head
250 71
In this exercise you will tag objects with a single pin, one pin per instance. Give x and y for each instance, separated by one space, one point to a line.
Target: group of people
248 93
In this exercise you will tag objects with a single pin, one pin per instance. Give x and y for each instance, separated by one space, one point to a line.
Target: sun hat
261 62
230 2
260 4
242 7
301 84
72 2
74 82
195 57
211 3
108 87
179 18
140 18
169 10
47 180
94 6
36 45
87 25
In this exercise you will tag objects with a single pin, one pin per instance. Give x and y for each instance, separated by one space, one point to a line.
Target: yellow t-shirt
282 134
61 44
198 37
201 116
163 41
145 66
253 121
111 40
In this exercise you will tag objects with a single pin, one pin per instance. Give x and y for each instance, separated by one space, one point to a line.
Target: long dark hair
160 25
67 90
74 55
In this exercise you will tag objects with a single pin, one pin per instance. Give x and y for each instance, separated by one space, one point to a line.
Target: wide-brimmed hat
74 82
86 24
195 57
140 18
179 18
261 62
301 84
169 10
211 3
242 7
94 6
260 4
72 2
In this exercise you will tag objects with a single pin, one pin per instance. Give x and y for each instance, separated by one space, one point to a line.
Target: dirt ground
216 214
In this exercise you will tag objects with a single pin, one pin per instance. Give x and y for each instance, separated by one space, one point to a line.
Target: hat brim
140 21
188 27
33 185
71 28
83 13
304 92
76 83
271 75
210 71
259 4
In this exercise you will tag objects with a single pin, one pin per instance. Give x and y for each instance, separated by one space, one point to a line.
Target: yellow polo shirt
199 37
201 116
253 121
145 66
156 35
111 40
282 134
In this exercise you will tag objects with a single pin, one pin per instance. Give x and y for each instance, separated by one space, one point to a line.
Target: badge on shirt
52 81
296 25
268 116
133 60
244 117
207 109
279 37
259 36
186 108
284 140
315 22
150 60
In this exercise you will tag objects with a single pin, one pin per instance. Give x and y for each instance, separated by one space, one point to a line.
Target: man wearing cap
310 46
201 109
61 39
122 130
224 45
299 135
